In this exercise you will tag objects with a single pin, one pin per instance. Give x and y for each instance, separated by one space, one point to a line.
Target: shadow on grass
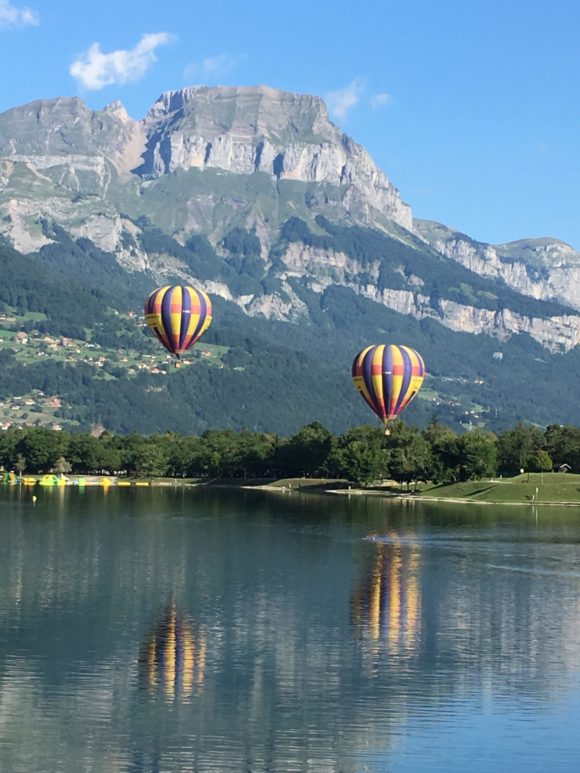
458 494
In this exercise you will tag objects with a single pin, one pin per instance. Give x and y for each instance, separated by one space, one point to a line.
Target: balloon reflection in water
387 603
172 661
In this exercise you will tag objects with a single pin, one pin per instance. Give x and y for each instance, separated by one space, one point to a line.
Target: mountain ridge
255 196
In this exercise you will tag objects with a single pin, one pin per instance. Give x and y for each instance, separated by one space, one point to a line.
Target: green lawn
535 487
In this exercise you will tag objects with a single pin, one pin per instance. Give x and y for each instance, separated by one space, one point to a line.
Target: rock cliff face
557 333
286 136
212 160
541 268
319 270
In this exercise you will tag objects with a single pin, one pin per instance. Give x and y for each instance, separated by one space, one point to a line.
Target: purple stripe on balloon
407 374
202 316
185 315
421 364
166 319
367 369
151 302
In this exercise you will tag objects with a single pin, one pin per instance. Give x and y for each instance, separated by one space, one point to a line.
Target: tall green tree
306 452
410 453
360 455
540 461
41 448
517 446
478 452
563 445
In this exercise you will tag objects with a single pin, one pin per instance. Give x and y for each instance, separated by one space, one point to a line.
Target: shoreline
315 486
322 487
452 500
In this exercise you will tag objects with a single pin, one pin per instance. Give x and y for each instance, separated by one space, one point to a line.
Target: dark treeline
362 455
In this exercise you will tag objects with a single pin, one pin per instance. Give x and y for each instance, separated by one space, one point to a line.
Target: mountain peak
246 111
117 109
258 129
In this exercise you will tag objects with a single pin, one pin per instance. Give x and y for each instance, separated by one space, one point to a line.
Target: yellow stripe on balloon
377 378
396 380
177 304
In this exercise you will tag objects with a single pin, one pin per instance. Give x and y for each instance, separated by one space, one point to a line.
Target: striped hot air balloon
388 377
178 316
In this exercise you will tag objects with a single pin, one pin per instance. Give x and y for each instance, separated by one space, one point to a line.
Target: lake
162 630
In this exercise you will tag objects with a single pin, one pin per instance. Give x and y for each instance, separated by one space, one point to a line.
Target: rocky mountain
256 196
541 268
199 146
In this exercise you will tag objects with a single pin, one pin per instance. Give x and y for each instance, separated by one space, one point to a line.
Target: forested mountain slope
305 247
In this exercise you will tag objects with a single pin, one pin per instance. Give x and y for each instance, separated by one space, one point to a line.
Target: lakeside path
527 489
448 500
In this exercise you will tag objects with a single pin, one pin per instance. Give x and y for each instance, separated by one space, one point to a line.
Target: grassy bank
532 488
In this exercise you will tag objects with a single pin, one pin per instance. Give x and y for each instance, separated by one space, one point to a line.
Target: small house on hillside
563 468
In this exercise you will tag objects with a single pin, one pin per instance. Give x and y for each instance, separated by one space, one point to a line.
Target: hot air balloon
178 316
388 377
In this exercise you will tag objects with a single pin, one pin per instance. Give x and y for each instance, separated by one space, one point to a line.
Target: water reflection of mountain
296 645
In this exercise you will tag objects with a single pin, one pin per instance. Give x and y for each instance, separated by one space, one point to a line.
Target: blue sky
471 107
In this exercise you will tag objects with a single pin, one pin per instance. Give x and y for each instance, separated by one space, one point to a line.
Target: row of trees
362 455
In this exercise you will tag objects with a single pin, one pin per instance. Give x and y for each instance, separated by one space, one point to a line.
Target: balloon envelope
178 316
388 377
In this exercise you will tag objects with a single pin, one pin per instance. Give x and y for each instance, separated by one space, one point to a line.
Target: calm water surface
165 631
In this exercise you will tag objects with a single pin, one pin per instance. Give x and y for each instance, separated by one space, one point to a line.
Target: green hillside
253 372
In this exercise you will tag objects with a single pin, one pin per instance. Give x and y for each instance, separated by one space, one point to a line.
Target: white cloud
94 69
213 66
341 102
11 16
381 99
